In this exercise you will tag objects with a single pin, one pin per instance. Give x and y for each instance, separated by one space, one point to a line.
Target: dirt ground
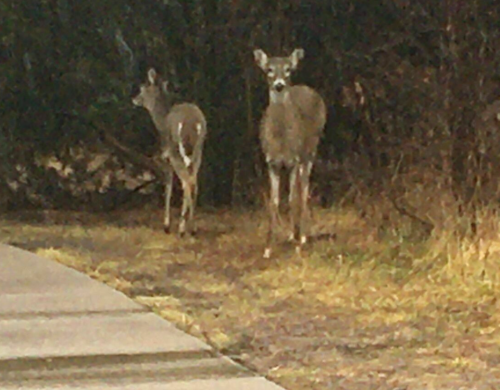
356 310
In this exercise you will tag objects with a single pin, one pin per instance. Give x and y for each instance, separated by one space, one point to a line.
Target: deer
182 129
290 131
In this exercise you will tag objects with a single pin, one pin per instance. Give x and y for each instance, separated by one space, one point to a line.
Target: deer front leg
294 204
168 195
304 176
274 203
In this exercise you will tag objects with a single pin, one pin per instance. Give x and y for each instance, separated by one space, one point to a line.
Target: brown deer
290 131
182 130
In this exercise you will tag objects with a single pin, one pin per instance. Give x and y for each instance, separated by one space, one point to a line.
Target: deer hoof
166 229
182 228
294 237
193 230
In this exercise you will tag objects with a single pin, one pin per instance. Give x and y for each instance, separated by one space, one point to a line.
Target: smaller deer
290 131
182 130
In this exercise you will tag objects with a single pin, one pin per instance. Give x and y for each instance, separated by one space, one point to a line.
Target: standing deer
290 131
182 129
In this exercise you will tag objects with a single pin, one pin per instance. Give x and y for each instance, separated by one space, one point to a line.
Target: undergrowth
370 302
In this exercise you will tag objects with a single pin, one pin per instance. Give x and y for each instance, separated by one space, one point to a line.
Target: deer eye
287 70
270 71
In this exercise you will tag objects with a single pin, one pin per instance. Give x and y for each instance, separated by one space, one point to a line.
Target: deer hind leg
294 204
186 206
304 176
194 197
168 195
194 201
274 202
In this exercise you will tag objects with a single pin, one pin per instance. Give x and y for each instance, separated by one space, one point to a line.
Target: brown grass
370 309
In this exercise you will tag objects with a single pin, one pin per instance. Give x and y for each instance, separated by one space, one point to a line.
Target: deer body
290 132
182 130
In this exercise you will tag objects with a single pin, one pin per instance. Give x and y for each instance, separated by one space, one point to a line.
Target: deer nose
279 85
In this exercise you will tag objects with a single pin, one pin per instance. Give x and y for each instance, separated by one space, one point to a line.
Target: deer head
278 69
150 91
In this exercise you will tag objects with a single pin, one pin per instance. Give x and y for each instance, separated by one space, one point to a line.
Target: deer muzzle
279 85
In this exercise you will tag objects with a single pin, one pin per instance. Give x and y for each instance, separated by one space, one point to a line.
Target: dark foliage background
411 88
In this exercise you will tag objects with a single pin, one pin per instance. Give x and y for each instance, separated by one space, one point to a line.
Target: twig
134 156
428 226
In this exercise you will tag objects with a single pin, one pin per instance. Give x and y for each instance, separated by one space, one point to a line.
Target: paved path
59 329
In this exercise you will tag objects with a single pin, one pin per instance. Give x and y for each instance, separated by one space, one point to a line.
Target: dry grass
370 309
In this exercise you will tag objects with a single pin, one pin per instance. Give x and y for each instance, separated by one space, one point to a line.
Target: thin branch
403 210
133 156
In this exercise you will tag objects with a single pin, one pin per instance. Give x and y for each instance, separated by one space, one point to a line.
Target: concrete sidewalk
60 329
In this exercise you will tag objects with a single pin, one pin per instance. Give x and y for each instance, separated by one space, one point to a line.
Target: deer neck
159 111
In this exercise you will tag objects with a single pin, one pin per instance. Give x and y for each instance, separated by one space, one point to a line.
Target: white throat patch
278 97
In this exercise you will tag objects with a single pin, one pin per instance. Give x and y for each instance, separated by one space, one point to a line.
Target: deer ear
260 58
152 75
296 56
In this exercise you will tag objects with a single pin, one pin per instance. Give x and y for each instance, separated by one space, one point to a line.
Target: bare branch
404 210
133 156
